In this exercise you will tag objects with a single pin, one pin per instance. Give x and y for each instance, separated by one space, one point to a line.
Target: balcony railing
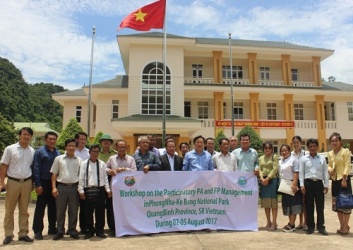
247 82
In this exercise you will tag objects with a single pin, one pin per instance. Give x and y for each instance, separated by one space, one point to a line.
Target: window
78 113
294 75
333 115
350 111
115 109
265 73
238 110
298 112
197 70
152 89
202 110
271 111
237 72
275 147
187 109
224 110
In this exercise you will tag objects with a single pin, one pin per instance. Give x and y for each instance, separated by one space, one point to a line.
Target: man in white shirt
225 160
93 175
16 163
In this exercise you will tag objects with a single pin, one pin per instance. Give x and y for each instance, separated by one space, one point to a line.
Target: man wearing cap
106 152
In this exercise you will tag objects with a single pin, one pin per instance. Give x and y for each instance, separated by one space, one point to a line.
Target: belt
19 180
313 179
68 184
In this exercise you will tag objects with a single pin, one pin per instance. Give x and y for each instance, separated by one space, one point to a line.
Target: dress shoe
101 235
38 236
53 231
323 232
84 231
25 239
58 237
7 240
75 236
112 234
310 231
88 235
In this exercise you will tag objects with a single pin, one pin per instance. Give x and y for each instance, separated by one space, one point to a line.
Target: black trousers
98 208
46 199
82 217
314 192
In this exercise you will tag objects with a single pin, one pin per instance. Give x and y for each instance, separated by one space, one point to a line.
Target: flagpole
231 80
164 73
90 86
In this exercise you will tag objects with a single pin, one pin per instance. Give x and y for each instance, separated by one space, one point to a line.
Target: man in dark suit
170 161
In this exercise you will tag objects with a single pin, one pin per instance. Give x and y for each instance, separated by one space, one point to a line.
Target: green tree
255 140
68 133
96 138
8 133
219 135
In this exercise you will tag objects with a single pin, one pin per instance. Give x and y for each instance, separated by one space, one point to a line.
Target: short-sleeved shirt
287 167
19 161
66 168
105 156
313 168
226 162
127 162
198 162
149 159
248 160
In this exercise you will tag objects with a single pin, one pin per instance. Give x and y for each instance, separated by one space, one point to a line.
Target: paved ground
200 240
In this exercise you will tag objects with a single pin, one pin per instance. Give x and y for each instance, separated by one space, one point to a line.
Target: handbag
344 200
92 193
285 187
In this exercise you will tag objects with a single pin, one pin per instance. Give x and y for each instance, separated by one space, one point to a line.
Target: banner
256 124
167 201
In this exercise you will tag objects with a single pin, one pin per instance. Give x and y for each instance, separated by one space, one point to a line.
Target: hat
106 137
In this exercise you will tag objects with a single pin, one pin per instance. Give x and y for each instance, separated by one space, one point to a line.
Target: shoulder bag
344 200
92 193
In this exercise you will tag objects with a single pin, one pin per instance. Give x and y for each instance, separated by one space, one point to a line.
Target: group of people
78 181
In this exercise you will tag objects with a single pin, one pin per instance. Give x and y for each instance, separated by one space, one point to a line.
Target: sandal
299 227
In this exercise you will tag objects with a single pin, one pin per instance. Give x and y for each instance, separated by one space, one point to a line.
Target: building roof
38 127
120 81
235 42
337 86
156 118
76 92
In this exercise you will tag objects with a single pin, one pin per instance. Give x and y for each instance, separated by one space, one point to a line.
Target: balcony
277 83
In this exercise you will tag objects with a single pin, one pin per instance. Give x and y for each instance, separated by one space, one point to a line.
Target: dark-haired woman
289 170
298 153
339 161
268 164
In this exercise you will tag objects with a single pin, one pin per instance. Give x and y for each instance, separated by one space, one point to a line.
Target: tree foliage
219 135
255 140
68 133
97 138
23 102
8 133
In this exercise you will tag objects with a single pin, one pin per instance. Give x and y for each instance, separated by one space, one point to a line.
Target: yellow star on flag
140 15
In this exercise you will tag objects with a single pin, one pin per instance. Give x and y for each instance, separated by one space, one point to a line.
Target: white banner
168 201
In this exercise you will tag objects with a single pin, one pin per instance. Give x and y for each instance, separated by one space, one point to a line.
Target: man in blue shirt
43 161
198 159
247 158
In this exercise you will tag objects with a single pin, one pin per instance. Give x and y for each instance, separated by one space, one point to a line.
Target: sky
50 40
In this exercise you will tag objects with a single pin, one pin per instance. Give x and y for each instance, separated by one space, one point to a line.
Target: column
316 70
286 70
253 71
131 146
217 66
218 106
320 119
254 109
289 116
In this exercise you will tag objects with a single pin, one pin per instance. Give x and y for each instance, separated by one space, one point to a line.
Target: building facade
277 89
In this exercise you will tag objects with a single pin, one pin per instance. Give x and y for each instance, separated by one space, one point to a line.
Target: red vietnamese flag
146 18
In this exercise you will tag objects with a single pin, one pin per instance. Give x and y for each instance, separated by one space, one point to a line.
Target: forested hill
23 102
